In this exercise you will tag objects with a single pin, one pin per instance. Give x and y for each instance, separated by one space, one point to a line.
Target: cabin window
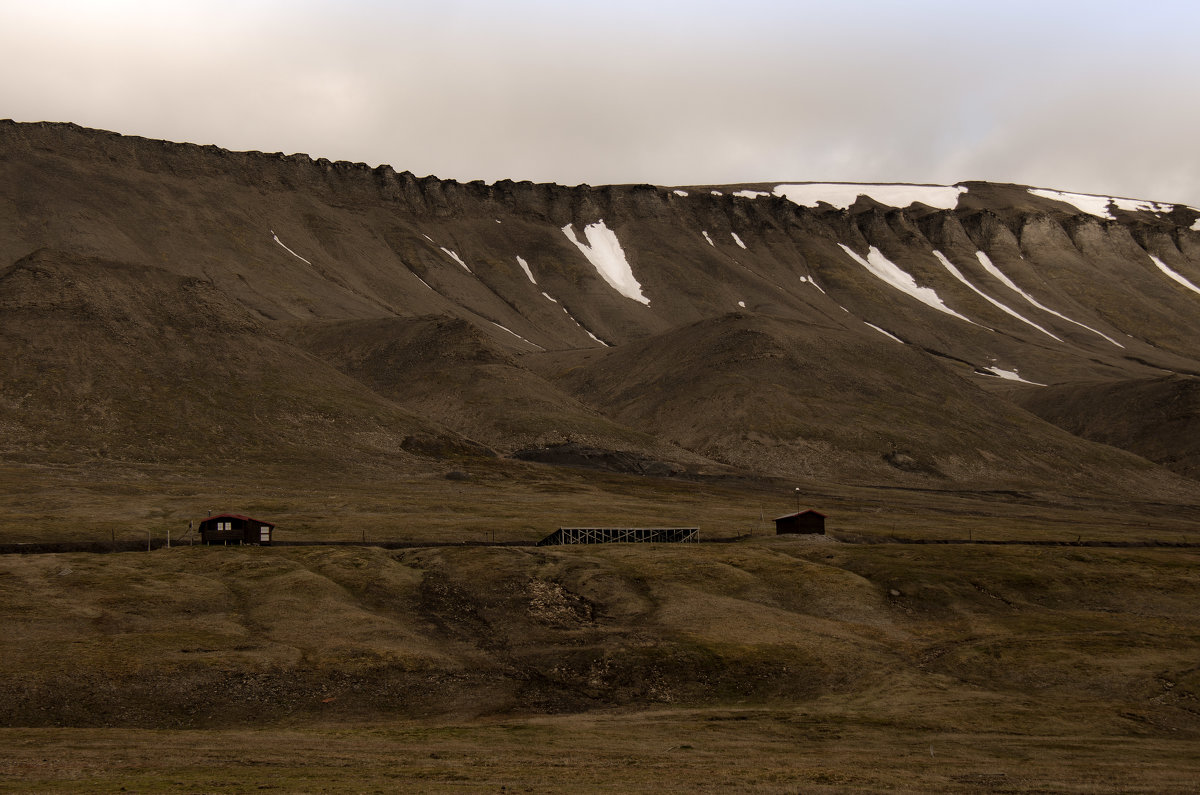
264 534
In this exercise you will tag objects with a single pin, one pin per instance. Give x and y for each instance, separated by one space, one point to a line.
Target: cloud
1080 96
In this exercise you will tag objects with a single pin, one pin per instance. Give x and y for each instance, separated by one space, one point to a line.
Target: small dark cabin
804 522
232 528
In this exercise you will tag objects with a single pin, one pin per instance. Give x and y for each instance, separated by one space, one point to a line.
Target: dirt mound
447 369
576 455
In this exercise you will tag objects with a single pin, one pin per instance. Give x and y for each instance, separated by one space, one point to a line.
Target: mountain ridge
331 262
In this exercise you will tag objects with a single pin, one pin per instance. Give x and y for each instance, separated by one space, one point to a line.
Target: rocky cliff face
823 331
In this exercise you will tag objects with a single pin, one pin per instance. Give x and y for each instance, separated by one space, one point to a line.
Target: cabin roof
800 513
238 516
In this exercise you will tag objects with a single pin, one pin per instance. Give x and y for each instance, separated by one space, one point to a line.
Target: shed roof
801 513
238 516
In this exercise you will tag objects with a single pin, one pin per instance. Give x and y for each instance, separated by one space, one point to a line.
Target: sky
1093 97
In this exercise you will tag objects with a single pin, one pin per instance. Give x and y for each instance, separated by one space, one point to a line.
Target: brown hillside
772 395
1158 419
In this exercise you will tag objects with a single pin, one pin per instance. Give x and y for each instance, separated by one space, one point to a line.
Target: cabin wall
239 532
809 523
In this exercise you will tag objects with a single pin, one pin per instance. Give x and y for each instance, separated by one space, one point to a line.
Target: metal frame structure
622 535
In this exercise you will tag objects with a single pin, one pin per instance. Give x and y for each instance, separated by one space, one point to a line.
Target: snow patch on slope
590 334
737 239
573 320
515 334
525 267
275 237
603 250
948 265
683 193
1162 266
844 194
583 327
1010 375
891 273
887 334
454 256
810 280
709 239
750 194
988 266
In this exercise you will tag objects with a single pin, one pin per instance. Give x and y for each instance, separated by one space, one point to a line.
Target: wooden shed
233 528
809 521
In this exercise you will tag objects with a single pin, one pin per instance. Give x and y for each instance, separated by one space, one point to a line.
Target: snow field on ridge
842 194
1098 205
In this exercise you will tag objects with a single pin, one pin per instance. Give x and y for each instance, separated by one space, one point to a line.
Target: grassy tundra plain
775 664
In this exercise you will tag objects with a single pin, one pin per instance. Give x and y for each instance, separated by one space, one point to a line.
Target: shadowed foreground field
667 751
772 664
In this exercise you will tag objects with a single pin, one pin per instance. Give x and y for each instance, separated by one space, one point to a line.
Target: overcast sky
1096 97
